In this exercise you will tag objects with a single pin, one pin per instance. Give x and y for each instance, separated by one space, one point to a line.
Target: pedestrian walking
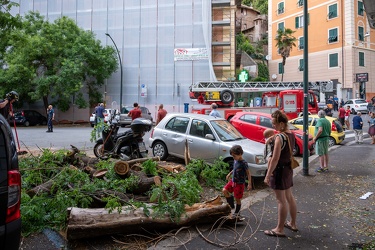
321 140
347 115
328 111
135 112
371 130
236 179
50 118
335 103
161 114
280 176
342 116
99 117
357 127
214 111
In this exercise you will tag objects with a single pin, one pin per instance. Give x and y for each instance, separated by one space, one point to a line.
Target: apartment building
341 45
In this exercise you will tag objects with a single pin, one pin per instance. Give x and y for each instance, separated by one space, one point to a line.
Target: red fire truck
286 96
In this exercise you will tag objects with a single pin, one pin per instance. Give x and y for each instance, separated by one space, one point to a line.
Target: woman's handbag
293 162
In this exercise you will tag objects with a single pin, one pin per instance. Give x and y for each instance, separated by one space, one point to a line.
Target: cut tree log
88 223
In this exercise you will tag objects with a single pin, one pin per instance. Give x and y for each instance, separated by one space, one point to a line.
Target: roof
195 116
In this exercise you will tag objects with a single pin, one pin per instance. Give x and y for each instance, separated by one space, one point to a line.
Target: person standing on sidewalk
371 130
50 118
321 140
347 114
135 112
357 127
214 111
161 114
342 116
280 176
236 179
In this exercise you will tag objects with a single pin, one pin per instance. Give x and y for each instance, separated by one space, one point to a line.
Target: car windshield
360 101
226 131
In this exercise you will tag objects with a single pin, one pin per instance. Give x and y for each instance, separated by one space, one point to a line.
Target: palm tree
285 41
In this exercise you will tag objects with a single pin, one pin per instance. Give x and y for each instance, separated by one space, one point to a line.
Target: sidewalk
330 213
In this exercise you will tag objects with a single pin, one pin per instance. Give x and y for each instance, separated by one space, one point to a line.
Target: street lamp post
119 57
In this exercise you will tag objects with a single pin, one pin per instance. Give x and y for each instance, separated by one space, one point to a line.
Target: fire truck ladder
323 86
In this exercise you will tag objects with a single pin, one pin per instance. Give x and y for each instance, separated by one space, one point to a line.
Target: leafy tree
285 41
263 72
260 5
57 61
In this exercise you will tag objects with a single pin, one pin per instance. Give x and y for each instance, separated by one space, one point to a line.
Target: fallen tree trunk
87 223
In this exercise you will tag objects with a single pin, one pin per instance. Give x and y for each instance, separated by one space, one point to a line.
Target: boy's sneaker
321 170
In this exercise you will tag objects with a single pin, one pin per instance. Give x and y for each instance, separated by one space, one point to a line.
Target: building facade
341 44
147 34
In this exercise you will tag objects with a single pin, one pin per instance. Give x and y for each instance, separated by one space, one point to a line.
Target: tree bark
87 223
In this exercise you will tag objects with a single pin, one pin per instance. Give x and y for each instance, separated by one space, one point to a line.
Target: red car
252 125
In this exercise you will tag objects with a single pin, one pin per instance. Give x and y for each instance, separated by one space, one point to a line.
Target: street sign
361 77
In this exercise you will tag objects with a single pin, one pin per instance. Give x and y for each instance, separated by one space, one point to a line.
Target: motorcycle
125 146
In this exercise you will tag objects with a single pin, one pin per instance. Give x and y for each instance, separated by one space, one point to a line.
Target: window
300 3
301 43
249 118
361 36
361 59
333 35
265 122
301 65
199 128
280 8
332 11
299 22
281 68
178 124
360 8
333 60
280 26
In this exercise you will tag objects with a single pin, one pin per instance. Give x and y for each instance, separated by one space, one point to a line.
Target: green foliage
263 73
56 60
174 193
74 188
149 167
260 5
215 175
97 130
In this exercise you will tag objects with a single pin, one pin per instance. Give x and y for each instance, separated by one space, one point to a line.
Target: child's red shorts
237 190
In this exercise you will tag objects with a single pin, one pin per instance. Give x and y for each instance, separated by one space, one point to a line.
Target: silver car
356 105
126 120
208 138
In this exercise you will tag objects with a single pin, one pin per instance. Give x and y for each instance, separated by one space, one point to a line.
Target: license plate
141 146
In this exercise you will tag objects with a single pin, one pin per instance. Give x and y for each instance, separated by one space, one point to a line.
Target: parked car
356 105
126 120
252 125
337 132
107 116
28 118
10 190
208 139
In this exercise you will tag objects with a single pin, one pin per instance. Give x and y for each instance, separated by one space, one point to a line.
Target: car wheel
44 122
27 123
296 150
159 149
353 111
331 142
230 162
92 125
99 150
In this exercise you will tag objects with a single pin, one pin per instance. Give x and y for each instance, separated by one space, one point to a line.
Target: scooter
125 146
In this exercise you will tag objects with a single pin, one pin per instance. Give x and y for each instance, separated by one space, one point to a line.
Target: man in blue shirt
357 127
214 112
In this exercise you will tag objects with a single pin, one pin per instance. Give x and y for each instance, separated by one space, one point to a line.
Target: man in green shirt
321 139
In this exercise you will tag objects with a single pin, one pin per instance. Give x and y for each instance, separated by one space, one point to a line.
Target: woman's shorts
282 178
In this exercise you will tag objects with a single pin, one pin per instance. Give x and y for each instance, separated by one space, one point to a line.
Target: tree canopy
260 5
56 62
285 41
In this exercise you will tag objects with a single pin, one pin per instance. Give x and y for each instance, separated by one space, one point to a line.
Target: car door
246 125
31 117
299 124
199 146
174 135
264 123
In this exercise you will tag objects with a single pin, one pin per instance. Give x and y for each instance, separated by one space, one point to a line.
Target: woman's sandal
287 225
273 233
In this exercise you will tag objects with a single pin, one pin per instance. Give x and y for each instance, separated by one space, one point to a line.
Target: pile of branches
88 197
